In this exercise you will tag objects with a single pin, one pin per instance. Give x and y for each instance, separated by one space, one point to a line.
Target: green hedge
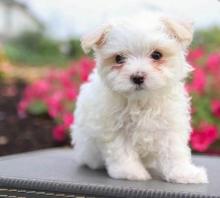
209 39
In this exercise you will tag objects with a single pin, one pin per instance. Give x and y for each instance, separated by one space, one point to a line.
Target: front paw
189 174
128 172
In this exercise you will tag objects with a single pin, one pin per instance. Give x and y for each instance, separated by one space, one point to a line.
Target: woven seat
53 173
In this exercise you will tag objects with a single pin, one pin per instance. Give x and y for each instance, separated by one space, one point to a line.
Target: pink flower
72 70
198 82
195 54
215 107
54 103
70 94
86 66
68 119
203 137
213 63
40 88
65 79
57 90
59 133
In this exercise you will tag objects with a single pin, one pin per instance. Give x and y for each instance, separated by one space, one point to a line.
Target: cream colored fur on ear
95 39
181 31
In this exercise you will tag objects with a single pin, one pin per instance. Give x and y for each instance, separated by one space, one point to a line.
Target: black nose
137 79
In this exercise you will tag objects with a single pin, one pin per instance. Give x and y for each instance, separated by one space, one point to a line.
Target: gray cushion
53 173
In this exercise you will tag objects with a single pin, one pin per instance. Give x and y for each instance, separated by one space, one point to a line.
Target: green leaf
37 108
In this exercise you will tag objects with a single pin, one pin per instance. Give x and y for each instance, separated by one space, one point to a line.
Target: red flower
86 66
58 90
65 79
198 83
213 63
203 137
72 70
195 54
54 103
215 107
39 88
59 133
68 119
70 94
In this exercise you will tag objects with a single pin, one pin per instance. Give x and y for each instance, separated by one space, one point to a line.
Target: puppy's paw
188 175
128 172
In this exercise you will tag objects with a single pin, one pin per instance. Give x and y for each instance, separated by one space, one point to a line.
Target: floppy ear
181 31
95 39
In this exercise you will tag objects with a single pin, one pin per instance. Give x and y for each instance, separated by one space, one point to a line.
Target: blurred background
42 66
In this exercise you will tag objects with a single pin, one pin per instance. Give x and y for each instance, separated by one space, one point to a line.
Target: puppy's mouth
139 88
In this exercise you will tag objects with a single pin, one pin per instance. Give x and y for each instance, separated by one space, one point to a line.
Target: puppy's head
142 53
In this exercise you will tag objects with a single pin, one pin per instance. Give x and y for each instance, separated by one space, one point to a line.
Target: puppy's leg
122 162
87 153
174 162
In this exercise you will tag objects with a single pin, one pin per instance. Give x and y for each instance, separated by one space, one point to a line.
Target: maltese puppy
133 115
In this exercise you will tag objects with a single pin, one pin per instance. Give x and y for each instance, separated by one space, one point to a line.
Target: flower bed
21 135
56 93
204 88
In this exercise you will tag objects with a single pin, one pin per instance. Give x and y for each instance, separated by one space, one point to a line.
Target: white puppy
134 113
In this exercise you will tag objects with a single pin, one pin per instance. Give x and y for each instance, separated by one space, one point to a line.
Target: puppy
134 113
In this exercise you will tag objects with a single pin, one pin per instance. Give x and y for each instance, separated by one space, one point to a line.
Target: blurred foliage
37 108
75 51
24 56
38 49
208 39
204 110
3 64
35 48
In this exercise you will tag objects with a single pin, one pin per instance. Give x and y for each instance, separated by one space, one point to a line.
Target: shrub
34 48
209 38
204 87
55 95
75 50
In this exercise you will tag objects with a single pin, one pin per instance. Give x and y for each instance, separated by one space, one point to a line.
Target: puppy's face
141 54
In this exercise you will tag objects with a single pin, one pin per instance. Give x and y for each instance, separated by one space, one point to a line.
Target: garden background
42 66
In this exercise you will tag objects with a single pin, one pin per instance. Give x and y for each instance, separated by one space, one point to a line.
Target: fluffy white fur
129 130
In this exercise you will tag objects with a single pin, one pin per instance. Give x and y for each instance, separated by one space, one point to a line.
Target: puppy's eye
120 59
156 55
